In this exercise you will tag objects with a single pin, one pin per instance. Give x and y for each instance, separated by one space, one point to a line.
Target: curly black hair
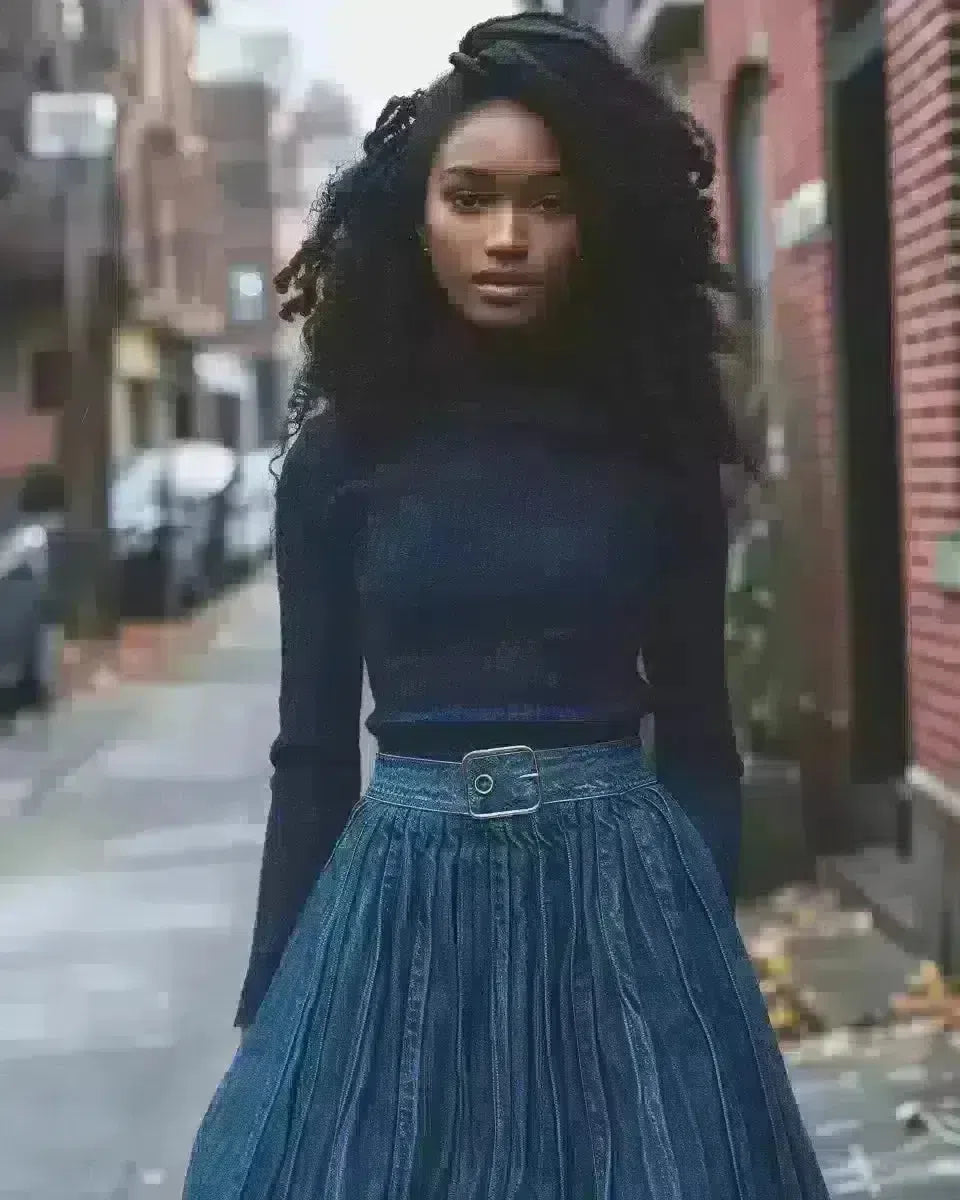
647 326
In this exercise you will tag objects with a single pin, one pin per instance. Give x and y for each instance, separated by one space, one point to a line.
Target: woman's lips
506 288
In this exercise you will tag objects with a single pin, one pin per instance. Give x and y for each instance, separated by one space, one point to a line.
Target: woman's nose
508 234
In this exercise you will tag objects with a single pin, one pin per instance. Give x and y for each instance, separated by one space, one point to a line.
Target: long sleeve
316 756
685 661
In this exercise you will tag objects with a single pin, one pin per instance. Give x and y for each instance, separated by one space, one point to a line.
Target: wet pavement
126 900
858 1103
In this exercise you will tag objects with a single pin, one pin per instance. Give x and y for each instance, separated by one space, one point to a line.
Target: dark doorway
870 424
183 415
141 414
228 419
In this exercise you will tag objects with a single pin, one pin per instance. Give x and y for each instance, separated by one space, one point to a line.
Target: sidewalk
104 687
826 969
142 652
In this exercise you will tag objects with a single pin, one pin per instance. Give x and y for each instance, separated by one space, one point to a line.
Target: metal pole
91 303
104 319
79 617
73 426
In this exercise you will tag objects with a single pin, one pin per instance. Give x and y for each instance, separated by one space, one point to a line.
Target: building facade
834 122
35 56
143 215
173 250
238 79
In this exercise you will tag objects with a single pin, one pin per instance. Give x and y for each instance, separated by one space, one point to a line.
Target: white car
30 633
167 516
250 512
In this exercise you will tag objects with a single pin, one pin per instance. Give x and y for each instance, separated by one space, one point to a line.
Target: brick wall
27 435
25 438
236 119
172 200
922 102
790 39
923 97
736 32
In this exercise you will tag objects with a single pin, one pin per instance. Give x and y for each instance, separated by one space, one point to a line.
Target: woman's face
500 227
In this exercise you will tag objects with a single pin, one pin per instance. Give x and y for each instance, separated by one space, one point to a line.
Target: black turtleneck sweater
510 576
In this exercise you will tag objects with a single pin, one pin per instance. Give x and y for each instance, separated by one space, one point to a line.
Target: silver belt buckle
481 783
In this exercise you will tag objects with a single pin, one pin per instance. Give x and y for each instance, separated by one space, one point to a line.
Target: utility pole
77 130
85 430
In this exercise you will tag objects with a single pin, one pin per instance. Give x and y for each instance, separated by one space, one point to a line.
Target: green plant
761 622
758 674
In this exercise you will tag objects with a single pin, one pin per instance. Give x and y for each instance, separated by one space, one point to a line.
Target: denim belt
509 781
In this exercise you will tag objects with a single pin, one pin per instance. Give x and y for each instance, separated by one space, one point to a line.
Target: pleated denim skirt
517 978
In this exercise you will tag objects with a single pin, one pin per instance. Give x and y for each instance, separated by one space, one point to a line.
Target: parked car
167 517
30 633
250 513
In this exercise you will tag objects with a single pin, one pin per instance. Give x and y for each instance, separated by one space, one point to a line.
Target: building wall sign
803 217
947 562
135 355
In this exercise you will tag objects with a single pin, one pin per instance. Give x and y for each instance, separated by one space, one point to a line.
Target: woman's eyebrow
487 175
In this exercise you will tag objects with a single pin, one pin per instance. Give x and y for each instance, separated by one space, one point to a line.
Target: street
126 900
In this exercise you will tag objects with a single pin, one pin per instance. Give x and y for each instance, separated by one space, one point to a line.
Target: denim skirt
517 978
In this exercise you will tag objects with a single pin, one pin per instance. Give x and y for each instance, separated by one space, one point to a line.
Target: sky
372 48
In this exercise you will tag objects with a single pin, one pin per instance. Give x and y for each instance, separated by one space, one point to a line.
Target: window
50 380
245 184
248 295
751 215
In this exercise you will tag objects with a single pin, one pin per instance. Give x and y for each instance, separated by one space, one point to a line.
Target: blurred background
158 160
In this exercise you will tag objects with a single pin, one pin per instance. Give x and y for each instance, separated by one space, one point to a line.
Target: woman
512 970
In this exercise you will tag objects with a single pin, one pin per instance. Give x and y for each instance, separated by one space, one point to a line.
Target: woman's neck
527 355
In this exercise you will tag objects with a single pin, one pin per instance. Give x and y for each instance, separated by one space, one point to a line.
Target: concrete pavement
125 917
126 902
884 1113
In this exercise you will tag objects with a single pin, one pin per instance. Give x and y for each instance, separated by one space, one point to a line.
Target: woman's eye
475 202
470 201
551 205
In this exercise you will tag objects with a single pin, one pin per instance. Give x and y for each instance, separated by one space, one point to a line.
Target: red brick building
835 126
172 239
161 180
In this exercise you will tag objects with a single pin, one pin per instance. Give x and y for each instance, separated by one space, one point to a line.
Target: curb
792 940
833 872
842 1043
100 688
143 652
